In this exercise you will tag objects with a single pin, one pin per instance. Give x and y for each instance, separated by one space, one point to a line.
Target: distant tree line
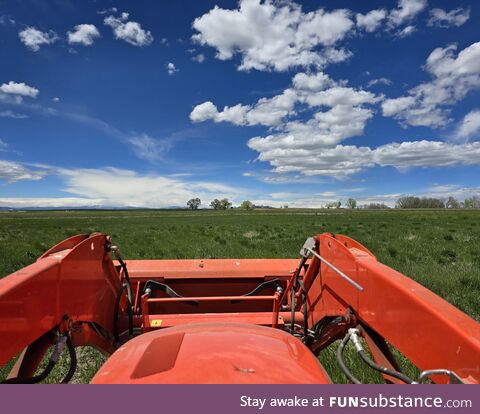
417 202
414 202
375 206
403 202
429 202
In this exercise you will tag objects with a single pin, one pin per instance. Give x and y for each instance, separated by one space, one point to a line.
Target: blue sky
150 103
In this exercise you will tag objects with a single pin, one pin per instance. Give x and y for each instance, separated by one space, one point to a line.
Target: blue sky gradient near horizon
298 103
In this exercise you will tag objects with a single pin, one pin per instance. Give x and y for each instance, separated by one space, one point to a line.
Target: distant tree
472 202
247 205
225 204
452 202
334 204
416 202
351 203
407 202
376 206
194 203
216 204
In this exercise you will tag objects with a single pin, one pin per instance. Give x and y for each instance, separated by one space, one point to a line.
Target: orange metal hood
213 353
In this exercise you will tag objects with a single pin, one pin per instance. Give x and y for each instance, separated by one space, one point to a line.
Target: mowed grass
438 248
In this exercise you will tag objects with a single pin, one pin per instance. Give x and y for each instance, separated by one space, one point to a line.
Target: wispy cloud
379 81
143 145
10 114
11 171
200 58
107 11
148 148
442 18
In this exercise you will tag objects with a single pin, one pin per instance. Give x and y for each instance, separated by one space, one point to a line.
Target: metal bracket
453 377
308 248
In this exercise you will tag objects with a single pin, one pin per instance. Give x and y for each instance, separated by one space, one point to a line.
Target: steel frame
73 287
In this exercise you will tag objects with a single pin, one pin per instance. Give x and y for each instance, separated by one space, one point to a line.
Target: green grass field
438 248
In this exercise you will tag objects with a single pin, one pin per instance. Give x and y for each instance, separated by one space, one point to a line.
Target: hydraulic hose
59 346
116 311
353 334
384 370
73 361
305 314
293 291
123 265
372 364
32 380
341 361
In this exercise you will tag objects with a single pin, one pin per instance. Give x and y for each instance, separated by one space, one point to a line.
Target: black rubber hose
130 319
32 380
116 311
124 267
292 291
73 362
154 284
293 304
305 314
46 372
384 370
341 362
126 275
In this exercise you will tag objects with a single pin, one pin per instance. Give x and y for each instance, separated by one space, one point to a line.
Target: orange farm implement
229 320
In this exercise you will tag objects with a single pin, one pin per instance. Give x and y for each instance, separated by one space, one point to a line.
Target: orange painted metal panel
227 353
211 268
80 282
431 332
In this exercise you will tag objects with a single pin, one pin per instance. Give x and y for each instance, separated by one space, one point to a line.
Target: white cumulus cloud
454 76
342 161
274 36
129 31
33 38
372 20
21 89
83 34
313 89
171 69
405 12
469 127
